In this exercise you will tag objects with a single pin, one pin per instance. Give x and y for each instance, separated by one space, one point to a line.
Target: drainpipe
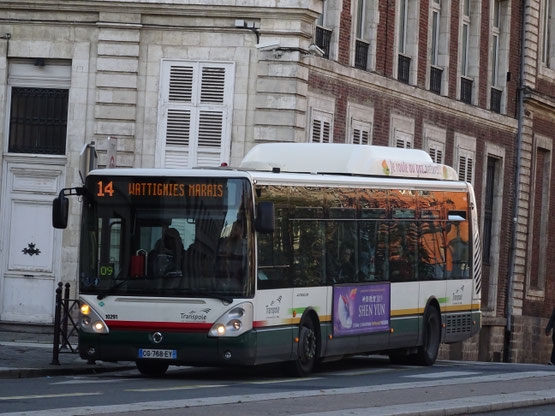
520 117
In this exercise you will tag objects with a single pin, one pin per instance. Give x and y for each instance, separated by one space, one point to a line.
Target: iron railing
38 120
435 79
361 54
323 39
495 100
65 323
403 69
466 90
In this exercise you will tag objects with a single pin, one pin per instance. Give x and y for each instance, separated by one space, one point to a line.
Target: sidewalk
29 354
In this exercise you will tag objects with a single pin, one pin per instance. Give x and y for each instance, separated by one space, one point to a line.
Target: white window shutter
436 150
466 165
178 129
196 109
360 132
322 127
403 139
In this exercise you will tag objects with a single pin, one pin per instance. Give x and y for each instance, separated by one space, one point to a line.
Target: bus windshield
167 236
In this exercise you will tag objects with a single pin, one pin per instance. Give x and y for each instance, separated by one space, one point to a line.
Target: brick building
187 83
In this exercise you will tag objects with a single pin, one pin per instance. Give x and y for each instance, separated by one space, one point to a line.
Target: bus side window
274 254
431 255
457 250
402 250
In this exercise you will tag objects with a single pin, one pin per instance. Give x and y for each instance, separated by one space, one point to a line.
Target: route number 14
105 190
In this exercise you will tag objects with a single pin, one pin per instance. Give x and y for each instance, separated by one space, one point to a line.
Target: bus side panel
274 325
405 314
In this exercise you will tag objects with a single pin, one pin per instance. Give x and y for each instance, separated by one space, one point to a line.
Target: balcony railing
435 79
323 38
361 54
495 99
466 90
403 69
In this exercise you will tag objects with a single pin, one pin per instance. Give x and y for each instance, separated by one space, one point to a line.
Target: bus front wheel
152 368
427 352
307 349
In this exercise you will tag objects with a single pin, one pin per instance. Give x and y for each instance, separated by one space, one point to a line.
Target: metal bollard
58 309
65 341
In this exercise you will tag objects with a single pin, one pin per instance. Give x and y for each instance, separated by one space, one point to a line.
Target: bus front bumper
197 349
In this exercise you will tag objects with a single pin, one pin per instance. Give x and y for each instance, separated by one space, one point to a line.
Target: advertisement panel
360 309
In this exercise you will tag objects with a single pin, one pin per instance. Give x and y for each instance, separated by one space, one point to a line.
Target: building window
548 34
469 49
407 14
321 127
38 120
438 46
327 28
499 53
195 112
539 217
488 208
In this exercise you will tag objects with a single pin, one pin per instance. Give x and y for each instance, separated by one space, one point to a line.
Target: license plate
161 354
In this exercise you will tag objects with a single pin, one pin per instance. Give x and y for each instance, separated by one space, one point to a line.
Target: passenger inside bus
167 257
346 266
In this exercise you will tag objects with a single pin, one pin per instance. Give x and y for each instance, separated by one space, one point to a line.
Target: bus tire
427 352
307 349
152 368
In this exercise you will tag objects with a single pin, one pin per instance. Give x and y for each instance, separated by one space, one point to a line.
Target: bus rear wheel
427 352
307 350
152 368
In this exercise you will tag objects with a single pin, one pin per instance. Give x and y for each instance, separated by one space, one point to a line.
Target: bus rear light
234 322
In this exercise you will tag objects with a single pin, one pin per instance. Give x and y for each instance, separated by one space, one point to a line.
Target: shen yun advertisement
360 309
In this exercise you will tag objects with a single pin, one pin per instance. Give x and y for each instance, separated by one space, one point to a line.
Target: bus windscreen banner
361 309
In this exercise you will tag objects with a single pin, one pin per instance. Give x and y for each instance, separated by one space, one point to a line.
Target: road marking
49 396
459 406
289 380
444 374
528 397
84 381
188 387
362 372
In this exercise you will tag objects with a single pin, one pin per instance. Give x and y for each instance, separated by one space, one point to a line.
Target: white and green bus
304 253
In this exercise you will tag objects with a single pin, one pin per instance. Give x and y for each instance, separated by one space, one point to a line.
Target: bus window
431 257
457 250
371 255
402 250
274 250
308 252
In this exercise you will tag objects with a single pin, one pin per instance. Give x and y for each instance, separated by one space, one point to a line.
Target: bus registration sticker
161 354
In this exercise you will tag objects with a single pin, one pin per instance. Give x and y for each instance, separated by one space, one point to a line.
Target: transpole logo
273 308
194 315
457 295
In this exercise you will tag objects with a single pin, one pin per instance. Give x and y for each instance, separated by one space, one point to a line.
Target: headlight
234 322
90 320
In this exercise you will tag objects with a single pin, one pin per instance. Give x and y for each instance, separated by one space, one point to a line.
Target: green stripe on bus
443 300
301 310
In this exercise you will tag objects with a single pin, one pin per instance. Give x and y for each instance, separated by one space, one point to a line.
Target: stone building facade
187 83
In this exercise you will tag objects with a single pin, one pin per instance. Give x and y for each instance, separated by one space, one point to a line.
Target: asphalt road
357 386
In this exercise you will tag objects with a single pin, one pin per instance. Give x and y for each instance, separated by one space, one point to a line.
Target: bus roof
347 159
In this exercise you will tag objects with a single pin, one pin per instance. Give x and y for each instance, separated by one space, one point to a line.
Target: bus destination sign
160 189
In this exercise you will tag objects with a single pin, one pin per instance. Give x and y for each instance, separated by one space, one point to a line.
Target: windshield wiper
223 298
109 291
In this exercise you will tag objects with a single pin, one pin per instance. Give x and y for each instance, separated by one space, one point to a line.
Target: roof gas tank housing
346 159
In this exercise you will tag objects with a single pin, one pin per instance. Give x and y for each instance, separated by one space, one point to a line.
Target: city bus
303 253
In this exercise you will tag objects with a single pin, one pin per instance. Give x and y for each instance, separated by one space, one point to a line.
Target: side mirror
60 210
265 217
